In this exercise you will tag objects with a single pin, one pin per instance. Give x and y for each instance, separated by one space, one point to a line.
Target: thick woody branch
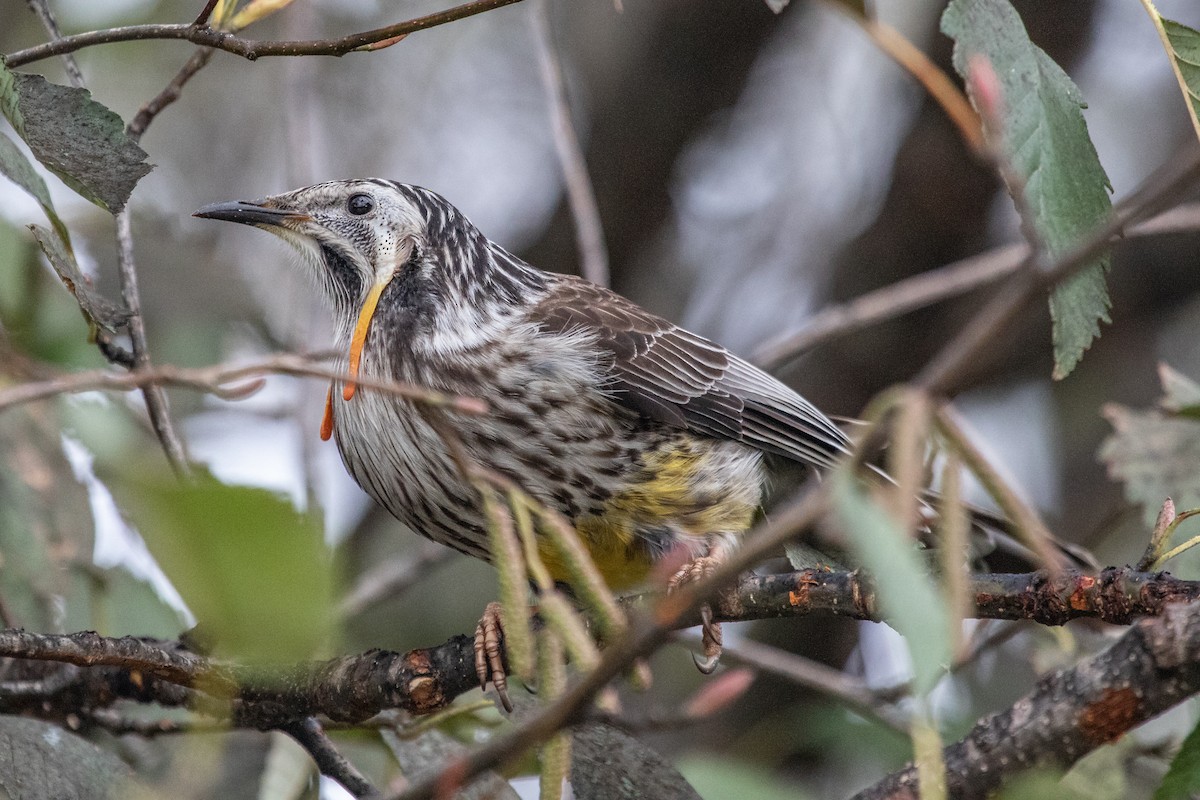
249 48
353 688
1155 666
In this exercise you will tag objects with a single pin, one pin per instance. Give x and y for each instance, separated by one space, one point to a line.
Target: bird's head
376 244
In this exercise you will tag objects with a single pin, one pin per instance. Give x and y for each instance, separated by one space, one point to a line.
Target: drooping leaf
1045 137
253 570
1182 780
1156 453
16 167
908 594
97 308
778 5
73 136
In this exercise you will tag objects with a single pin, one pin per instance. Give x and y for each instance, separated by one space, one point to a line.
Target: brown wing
680 379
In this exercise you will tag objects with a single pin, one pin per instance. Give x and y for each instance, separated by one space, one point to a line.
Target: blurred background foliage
749 169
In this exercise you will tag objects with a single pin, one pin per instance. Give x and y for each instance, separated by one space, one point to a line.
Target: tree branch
1155 666
250 49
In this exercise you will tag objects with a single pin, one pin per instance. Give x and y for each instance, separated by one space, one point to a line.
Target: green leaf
253 570
1182 780
908 594
73 136
97 309
125 605
1046 139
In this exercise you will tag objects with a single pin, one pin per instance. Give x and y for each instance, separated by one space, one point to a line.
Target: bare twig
846 689
309 734
216 380
392 578
42 9
589 232
156 398
205 13
934 80
934 286
169 94
250 49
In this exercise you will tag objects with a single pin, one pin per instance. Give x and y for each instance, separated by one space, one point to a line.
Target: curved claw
712 640
706 665
489 657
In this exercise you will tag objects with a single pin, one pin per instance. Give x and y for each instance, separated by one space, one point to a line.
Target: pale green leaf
253 570
908 593
1045 137
1156 453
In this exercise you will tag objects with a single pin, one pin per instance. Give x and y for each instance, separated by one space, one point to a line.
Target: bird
650 439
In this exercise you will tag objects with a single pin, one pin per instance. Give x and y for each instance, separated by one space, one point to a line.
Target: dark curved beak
249 213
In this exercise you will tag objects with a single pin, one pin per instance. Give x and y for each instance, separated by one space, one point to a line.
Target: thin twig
42 9
156 398
392 579
205 13
309 734
589 232
250 49
216 380
846 689
934 286
935 81
169 94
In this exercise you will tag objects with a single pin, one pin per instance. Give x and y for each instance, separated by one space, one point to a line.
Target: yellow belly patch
668 501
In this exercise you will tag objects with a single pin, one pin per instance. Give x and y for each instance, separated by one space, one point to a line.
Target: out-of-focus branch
42 9
252 49
169 94
589 233
217 379
933 286
156 398
1153 667
313 738
354 688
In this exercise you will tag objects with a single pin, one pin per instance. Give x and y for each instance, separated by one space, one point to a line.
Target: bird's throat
361 327
360 334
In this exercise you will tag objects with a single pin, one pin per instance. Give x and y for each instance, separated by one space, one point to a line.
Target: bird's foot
711 638
489 653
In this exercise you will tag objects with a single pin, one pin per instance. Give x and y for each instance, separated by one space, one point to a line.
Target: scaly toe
489 655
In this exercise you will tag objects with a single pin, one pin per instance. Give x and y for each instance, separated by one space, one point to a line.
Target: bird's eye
360 204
